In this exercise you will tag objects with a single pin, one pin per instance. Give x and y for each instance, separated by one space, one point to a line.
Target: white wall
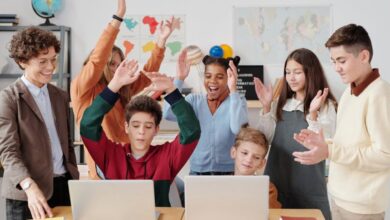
208 23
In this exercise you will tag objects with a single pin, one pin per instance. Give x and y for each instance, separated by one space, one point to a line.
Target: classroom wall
208 23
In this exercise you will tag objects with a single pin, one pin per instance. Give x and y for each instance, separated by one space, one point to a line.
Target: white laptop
112 199
226 197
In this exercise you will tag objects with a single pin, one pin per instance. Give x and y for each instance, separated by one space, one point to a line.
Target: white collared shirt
326 118
42 99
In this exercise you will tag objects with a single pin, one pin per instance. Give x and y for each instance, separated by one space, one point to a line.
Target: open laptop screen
226 197
112 199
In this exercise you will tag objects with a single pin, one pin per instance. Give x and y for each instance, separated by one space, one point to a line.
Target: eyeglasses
43 63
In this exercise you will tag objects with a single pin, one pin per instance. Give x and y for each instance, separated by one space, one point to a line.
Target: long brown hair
314 80
107 75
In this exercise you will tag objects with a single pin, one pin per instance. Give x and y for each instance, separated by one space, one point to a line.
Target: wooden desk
165 213
178 213
274 214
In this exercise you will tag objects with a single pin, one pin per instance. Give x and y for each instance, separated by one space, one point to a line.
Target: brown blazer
24 141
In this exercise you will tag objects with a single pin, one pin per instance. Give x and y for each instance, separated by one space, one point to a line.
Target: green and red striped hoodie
161 163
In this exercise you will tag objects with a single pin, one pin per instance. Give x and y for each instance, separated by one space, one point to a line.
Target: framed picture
245 84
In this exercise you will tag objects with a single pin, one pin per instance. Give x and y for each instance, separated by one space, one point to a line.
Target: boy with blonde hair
248 153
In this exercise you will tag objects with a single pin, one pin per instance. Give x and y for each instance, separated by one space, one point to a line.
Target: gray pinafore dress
299 186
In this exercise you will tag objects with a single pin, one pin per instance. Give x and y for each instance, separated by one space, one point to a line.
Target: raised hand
125 74
37 202
121 8
264 94
183 66
317 102
160 82
165 30
315 142
232 77
120 12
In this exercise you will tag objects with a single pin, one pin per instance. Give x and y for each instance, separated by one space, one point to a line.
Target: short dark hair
30 42
248 134
223 62
145 104
354 37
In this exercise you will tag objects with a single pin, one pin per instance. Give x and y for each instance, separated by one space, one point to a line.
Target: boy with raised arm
140 159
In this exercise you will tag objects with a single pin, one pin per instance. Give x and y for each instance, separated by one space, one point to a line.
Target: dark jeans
18 210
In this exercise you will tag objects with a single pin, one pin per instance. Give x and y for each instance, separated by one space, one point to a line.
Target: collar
356 90
34 90
293 104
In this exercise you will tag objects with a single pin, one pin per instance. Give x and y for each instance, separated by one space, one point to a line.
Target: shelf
50 28
17 75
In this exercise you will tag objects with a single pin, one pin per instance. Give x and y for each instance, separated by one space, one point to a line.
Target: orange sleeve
273 197
92 71
155 60
83 85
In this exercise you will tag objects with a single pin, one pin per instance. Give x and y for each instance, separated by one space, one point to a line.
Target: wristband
117 18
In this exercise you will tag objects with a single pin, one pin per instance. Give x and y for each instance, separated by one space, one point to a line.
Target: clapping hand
183 66
160 82
315 142
125 74
264 94
317 102
232 77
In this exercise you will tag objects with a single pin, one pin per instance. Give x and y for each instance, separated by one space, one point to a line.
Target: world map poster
266 35
140 32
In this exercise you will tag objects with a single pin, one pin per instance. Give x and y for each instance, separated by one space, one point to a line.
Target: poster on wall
245 85
266 35
140 32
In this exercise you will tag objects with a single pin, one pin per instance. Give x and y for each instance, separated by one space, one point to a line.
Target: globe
46 9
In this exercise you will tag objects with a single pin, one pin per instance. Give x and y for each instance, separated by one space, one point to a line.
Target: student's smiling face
39 70
141 130
248 158
215 81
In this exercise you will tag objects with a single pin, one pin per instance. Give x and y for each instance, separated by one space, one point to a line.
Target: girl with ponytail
221 112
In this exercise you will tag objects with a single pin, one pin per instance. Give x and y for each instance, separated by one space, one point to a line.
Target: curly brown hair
31 42
145 104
